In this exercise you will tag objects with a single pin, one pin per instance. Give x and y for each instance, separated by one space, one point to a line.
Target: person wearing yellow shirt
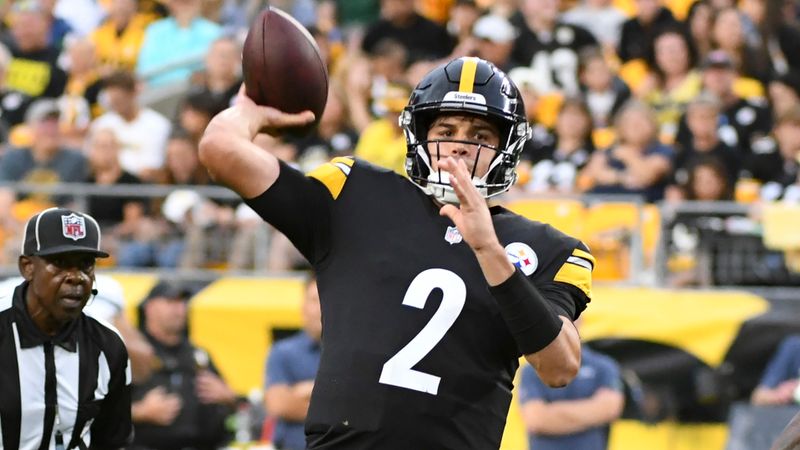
119 38
382 142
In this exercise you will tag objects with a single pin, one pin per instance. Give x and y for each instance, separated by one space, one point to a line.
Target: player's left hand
471 217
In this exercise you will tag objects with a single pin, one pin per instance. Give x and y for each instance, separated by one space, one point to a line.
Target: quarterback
429 296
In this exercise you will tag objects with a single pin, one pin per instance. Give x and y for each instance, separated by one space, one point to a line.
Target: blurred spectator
119 38
672 81
383 143
784 92
222 76
328 35
637 164
5 61
332 137
184 403
699 25
702 117
206 227
80 104
638 32
46 160
59 28
782 178
83 16
182 165
601 18
706 180
366 79
422 38
604 92
357 13
779 382
33 71
744 122
289 376
578 415
196 111
546 49
727 35
105 170
774 35
174 47
463 15
495 40
554 161
142 131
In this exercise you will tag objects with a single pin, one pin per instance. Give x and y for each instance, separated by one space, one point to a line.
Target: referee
64 376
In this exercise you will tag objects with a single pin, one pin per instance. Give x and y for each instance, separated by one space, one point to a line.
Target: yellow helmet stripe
467 81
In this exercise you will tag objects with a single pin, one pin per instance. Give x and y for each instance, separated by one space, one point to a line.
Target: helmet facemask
498 178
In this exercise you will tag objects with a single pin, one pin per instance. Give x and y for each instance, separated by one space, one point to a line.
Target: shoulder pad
333 174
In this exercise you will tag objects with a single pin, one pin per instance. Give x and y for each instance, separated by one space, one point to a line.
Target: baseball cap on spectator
718 59
494 28
42 109
173 290
58 230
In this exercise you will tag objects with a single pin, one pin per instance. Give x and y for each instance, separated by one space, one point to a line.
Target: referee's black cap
59 230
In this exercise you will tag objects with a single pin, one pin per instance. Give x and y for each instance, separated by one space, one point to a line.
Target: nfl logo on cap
59 230
73 227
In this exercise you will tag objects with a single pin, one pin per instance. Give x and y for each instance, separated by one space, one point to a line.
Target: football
282 67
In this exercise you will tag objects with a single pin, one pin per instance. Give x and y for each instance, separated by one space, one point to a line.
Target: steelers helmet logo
523 257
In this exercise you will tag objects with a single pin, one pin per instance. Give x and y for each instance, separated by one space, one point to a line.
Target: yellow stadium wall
233 318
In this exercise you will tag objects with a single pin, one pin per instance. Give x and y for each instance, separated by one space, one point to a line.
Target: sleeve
571 288
530 386
609 374
300 206
113 427
277 370
147 57
783 365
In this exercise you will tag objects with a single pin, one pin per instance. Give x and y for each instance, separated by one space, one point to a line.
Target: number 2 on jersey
397 371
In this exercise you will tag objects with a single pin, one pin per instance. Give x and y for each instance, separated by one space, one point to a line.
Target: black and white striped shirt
74 386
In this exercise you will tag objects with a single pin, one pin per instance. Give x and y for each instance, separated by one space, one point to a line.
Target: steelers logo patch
523 257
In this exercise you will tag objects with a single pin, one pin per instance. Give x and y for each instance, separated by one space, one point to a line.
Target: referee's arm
113 428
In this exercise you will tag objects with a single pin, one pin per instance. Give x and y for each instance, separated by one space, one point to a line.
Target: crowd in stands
670 100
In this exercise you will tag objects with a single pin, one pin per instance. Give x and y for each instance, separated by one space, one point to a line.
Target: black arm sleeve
299 207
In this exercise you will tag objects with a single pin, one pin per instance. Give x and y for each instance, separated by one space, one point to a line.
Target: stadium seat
780 221
609 231
566 215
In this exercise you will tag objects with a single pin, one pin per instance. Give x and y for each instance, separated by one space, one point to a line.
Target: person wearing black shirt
546 51
33 71
420 345
422 38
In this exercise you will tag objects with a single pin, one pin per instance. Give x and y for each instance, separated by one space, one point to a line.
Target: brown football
282 67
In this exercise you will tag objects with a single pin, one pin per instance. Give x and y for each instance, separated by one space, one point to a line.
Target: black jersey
551 58
415 352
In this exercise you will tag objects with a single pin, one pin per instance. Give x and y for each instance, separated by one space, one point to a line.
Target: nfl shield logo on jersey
73 227
453 236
